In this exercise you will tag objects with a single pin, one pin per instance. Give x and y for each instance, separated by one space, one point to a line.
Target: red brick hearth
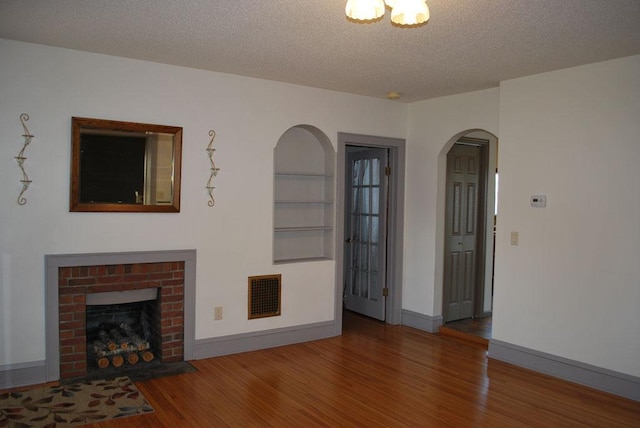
74 283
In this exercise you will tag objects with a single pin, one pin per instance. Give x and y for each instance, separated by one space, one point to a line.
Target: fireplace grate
264 296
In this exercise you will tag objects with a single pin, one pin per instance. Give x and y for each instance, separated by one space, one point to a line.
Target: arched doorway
466 210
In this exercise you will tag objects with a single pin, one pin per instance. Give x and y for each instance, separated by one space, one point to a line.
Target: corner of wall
421 321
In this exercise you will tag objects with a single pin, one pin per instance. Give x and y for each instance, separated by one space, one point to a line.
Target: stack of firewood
114 348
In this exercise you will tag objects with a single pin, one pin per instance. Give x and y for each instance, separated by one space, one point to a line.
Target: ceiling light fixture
393 95
364 10
403 12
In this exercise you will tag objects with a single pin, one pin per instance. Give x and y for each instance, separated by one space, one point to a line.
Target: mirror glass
125 166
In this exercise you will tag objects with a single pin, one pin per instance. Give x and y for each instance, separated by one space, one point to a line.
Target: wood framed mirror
124 166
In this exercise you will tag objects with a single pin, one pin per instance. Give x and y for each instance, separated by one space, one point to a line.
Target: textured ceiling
466 45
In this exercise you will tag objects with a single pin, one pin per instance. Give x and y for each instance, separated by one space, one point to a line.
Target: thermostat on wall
538 201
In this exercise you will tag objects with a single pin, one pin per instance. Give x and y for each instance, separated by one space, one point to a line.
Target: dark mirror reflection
125 166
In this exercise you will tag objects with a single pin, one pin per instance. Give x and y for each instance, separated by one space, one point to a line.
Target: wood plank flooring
474 329
374 375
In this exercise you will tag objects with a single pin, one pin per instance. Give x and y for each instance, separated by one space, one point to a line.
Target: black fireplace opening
122 336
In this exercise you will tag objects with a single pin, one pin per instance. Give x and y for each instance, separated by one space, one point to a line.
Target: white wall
233 239
434 126
572 286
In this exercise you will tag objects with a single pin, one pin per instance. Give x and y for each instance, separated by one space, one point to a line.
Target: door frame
395 231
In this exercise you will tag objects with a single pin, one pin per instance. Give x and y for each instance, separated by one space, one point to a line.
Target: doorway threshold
477 330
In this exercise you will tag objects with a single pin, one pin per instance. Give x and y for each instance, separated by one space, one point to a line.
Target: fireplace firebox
122 334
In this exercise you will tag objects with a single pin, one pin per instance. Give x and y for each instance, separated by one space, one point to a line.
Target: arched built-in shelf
304 204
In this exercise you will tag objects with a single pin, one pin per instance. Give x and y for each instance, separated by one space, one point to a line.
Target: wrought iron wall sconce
214 169
24 117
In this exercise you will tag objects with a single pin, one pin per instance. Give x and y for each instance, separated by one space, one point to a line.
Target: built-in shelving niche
304 203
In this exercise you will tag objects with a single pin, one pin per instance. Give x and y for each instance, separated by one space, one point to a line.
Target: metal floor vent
264 296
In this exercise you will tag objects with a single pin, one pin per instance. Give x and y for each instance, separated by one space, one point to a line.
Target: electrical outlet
515 238
217 313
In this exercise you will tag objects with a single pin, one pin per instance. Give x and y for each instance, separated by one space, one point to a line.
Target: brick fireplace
171 273
75 283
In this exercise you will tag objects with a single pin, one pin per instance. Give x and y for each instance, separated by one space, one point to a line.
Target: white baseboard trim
574 371
244 342
421 321
22 374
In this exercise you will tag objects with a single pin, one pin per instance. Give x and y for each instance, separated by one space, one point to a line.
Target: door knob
348 240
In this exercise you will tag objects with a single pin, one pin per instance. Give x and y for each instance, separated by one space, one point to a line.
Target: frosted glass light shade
409 12
364 10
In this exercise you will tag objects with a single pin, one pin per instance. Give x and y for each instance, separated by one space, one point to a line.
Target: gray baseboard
421 321
244 342
13 375
23 374
574 371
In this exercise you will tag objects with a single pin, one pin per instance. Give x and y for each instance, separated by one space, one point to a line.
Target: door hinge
387 170
385 292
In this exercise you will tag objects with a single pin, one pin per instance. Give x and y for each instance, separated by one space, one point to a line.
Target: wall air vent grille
264 296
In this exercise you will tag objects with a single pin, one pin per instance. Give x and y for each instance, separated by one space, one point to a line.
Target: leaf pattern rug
72 404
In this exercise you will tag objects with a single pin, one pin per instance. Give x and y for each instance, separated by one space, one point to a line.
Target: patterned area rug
72 405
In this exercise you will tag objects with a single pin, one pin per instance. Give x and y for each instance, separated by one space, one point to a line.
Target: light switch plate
515 237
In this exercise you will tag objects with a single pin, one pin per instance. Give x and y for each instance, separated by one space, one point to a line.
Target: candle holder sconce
28 137
214 169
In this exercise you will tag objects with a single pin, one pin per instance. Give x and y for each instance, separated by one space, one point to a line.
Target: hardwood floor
474 329
374 375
